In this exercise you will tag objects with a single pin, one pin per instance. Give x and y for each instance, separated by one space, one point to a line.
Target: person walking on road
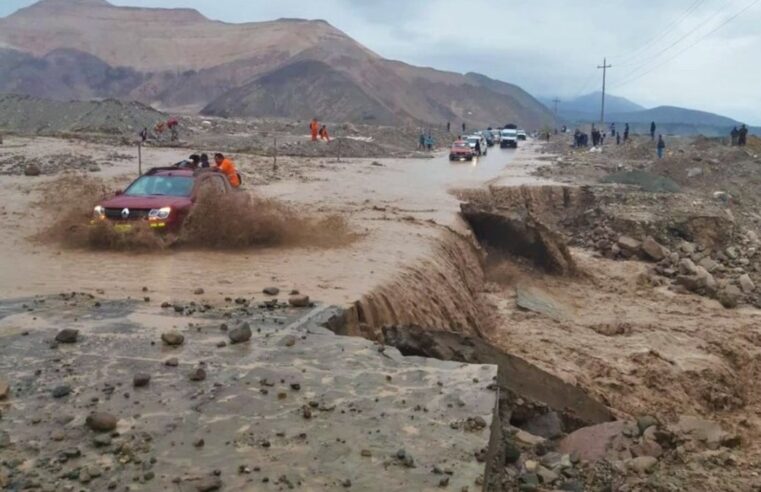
661 147
449 126
742 136
652 130
421 141
463 127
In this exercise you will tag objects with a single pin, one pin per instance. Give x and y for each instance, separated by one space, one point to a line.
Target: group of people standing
425 141
318 130
739 136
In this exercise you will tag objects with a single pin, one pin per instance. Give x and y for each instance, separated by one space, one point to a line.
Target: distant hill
587 108
177 58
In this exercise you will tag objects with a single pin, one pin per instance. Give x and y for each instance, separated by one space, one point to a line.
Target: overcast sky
663 52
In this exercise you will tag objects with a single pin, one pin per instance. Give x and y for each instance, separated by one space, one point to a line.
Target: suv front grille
134 214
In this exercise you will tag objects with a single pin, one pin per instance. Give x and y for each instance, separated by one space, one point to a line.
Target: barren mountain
178 58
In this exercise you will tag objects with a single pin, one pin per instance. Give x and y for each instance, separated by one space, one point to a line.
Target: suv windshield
460 145
161 185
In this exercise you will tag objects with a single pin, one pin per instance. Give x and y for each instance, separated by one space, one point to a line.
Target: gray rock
642 464
287 341
5 439
208 484
709 264
645 422
547 425
732 252
32 169
102 440
199 291
687 267
746 284
141 380
67 335
240 334
512 453
546 476
5 389
628 244
172 338
172 362
199 374
729 296
271 291
653 249
61 391
101 422
299 301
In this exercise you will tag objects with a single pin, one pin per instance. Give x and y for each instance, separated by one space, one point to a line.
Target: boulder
642 464
547 425
704 431
746 284
172 338
240 334
299 300
591 443
628 244
729 296
653 249
32 169
709 264
687 267
101 422
67 335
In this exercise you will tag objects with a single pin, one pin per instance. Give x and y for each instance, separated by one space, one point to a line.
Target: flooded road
398 206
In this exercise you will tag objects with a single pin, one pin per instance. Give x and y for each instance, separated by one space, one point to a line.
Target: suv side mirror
119 192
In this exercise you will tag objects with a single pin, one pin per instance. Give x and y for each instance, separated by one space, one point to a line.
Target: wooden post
274 155
140 158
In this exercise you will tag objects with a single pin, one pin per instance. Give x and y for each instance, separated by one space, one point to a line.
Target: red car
163 196
461 151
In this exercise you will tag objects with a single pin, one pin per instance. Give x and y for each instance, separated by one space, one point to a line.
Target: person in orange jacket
324 133
314 127
227 167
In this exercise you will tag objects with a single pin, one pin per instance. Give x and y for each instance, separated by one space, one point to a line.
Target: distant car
488 137
163 197
460 151
522 135
509 138
482 145
496 135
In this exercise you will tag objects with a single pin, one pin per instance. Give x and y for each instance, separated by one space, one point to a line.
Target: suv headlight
160 213
99 212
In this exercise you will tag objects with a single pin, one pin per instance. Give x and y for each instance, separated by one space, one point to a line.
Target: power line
675 43
702 38
666 31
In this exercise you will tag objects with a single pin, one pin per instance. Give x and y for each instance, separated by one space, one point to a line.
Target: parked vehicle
509 137
488 137
461 151
482 145
522 135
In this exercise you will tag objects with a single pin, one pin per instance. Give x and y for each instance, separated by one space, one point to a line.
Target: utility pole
604 68
556 101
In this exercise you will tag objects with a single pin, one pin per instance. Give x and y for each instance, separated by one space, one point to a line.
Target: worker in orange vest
227 167
314 127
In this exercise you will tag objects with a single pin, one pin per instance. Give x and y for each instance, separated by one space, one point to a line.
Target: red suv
461 151
163 196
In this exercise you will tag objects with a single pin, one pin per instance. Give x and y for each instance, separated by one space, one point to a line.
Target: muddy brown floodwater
399 207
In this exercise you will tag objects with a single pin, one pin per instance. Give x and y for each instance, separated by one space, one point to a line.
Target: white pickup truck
509 138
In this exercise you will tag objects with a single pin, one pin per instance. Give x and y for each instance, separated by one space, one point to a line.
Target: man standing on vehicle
227 167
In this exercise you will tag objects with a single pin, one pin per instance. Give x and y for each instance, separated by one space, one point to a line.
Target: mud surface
295 406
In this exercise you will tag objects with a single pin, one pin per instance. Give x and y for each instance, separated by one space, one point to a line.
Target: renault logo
125 214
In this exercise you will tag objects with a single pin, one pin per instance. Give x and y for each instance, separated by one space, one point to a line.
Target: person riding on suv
227 167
